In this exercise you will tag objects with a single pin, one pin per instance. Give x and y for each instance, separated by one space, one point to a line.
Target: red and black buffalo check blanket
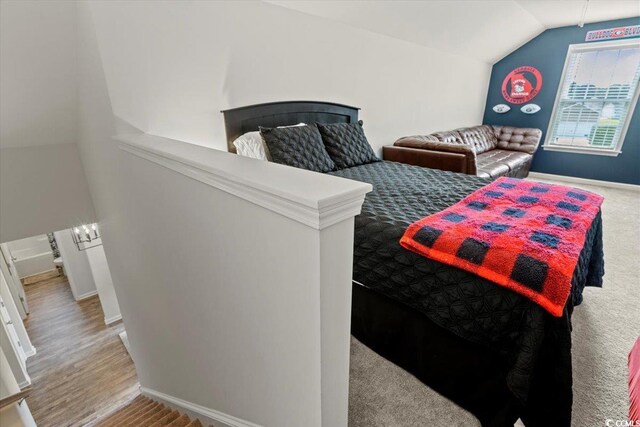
524 235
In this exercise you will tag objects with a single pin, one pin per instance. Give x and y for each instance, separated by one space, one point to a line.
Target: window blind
596 97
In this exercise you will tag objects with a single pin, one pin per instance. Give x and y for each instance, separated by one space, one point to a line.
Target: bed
488 349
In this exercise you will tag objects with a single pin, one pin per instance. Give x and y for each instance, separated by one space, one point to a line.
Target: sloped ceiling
484 30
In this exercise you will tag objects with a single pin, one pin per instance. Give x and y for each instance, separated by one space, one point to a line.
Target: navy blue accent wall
547 52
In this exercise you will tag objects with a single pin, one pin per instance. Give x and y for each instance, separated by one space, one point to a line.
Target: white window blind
596 97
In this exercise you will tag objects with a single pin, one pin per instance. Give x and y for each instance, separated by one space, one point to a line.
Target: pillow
298 146
346 144
251 145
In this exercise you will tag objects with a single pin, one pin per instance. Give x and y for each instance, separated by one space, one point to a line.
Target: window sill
582 150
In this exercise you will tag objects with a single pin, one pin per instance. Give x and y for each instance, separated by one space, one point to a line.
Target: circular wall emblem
522 84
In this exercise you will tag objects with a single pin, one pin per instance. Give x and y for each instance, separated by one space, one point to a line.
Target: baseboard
24 384
205 414
37 277
112 319
87 295
125 341
31 352
576 180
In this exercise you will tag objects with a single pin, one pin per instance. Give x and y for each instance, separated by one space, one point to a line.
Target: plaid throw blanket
634 383
524 235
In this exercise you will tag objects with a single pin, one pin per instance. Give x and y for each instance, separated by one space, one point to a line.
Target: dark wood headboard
238 121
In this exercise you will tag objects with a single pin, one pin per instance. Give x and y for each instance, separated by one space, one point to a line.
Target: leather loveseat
487 151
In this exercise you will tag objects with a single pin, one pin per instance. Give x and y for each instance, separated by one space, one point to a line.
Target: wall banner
613 33
522 84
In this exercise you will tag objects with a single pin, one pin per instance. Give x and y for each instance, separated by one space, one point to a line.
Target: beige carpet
605 328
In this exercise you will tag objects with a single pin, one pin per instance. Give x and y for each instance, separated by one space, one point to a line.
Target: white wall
172 66
42 184
42 189
88 272
38 73
103 283
76 266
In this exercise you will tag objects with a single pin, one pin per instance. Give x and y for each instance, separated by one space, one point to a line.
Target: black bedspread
466 305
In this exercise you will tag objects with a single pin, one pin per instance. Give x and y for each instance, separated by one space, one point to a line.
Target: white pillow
252 145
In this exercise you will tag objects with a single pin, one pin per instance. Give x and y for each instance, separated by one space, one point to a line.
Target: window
596 98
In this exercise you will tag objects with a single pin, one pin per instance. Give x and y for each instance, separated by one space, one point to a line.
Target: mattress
466 305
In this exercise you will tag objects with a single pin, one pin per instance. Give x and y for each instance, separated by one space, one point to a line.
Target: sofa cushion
481 138
449 136
517 139
493 170
498 162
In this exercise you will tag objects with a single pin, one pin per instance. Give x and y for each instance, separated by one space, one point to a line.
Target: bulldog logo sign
522 84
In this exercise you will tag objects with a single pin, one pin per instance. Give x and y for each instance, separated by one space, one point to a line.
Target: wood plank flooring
82 370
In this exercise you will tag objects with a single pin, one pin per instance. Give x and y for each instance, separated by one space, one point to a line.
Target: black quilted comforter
464 304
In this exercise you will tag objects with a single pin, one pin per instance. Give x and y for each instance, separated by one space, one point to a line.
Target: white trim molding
205 414
31 352
316 200
586 181
577 149
112 319
87 295
582 150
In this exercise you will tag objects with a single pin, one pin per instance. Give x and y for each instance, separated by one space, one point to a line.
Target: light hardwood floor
82 370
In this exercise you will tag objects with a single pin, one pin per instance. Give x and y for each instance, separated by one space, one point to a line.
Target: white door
13 335
15 285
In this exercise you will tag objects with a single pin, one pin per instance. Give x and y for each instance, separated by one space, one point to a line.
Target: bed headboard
238 121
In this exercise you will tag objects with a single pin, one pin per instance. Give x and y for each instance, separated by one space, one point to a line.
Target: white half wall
238 290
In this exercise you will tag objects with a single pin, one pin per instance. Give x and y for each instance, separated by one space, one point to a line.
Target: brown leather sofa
487 151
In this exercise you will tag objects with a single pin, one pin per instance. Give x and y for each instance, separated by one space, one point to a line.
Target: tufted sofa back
517 139
448 136
481 138
485 138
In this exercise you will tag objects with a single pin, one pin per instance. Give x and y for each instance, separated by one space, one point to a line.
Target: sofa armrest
518 139
430 143
454 162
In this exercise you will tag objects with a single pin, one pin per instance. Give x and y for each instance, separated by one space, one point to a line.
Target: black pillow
298 146
346 144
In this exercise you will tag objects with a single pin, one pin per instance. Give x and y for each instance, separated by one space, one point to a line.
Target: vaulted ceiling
485 30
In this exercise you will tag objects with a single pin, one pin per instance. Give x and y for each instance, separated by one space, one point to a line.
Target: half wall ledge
314 199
